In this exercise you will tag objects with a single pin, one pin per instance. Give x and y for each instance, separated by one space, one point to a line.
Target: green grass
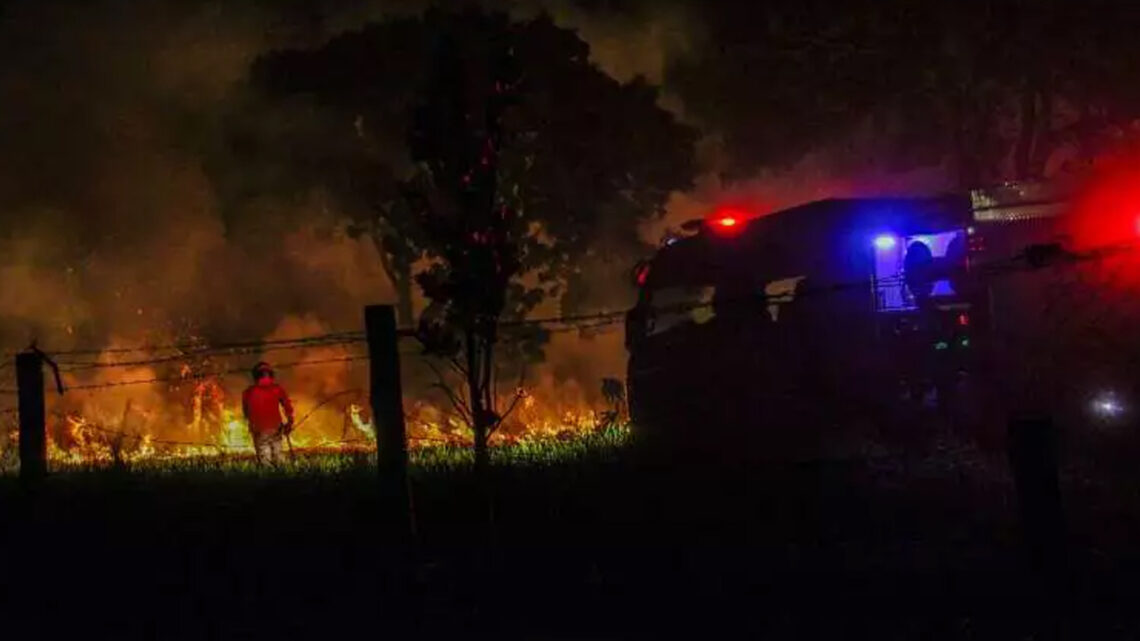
605 444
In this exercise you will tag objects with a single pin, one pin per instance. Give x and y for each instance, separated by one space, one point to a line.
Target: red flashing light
642 275
964 320
727 221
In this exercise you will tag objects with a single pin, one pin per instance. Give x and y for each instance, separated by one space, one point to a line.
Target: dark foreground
878 545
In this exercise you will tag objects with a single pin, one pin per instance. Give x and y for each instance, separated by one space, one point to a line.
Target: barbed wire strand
242 370
353 336
77 367
326 401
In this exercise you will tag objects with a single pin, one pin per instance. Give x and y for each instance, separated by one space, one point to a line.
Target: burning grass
128 405
91 449
194 416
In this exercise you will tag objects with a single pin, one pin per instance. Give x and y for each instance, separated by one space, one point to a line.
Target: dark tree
591 158
995 88
524 160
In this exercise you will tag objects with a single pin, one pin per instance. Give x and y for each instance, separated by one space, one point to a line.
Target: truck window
699 286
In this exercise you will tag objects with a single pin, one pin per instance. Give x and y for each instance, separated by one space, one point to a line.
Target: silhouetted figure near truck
263 405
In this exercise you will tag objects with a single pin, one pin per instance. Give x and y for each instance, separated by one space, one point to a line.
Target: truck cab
783 327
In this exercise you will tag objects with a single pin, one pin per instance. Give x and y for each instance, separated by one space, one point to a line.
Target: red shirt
262 403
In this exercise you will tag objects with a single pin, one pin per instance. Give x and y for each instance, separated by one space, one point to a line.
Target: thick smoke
114 228
111 223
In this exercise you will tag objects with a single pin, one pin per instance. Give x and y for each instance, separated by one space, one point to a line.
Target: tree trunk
1027 133
1043 146
399 273
405 313
966 168
476 393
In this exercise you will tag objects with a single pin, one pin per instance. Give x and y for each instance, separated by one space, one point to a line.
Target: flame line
209 444
155 440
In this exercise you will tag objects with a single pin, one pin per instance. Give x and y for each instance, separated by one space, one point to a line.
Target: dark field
585 541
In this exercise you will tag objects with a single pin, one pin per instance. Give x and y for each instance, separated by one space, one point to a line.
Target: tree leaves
583 156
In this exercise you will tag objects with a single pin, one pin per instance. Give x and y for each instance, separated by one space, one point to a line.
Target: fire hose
287 432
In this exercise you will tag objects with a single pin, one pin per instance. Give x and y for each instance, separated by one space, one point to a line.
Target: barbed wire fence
72 430
88 368
91 371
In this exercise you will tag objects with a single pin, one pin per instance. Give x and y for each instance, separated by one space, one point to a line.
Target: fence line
353 336
206 352
204 375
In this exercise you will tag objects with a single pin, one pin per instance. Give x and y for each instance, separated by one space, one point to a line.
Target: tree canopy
588 157
995 87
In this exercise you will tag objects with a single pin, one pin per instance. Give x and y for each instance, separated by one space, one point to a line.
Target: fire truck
835 310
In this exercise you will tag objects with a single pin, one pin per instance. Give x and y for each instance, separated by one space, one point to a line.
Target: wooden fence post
386 398
1033 459
33 436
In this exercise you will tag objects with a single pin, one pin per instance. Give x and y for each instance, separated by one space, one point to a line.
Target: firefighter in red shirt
262 404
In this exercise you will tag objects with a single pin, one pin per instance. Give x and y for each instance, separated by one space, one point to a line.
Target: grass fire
117 411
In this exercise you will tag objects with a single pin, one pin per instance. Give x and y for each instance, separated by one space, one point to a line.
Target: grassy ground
579 540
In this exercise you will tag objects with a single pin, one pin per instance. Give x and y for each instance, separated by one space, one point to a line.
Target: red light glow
1105 212
642 275
727 220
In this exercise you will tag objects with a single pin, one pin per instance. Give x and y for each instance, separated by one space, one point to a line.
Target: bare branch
519 395
456 399
454 362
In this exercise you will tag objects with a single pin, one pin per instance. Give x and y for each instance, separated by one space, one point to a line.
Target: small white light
1107 405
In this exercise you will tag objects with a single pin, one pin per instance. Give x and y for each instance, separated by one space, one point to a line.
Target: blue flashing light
885 242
